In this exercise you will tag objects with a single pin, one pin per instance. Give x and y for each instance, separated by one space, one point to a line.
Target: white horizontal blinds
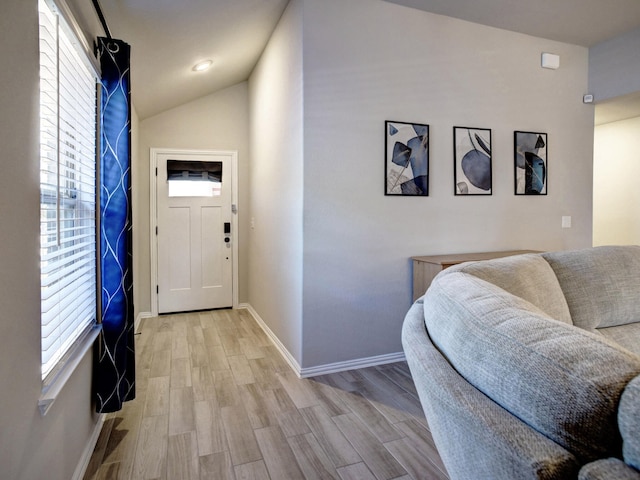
67 191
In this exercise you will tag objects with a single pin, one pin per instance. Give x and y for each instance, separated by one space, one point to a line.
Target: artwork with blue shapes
472 161
530 163
407 159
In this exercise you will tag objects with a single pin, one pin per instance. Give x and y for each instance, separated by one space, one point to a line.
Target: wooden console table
427 267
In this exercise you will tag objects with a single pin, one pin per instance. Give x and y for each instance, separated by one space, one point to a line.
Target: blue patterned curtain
114 379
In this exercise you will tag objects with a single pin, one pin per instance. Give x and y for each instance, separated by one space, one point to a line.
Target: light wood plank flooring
216 400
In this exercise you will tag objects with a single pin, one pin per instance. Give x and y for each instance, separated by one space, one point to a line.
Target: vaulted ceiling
169 36
580 22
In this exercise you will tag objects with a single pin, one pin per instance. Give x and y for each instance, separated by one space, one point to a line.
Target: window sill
52 386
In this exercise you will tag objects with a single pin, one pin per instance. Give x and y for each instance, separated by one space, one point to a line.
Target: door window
194 178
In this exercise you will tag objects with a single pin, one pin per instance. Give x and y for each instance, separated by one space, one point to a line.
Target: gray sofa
527 367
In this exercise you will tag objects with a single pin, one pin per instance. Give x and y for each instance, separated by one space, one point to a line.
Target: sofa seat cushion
627 336
629 423
600 284
527 276
532 365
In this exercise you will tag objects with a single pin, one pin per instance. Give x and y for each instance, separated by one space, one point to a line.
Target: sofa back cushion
629 423
601 284
563 381
527 276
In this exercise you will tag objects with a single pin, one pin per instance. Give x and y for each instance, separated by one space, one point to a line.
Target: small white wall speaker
550 60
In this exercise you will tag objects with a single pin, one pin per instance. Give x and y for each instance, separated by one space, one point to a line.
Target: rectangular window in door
194 178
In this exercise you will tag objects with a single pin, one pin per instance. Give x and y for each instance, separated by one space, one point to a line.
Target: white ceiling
168 37
580 22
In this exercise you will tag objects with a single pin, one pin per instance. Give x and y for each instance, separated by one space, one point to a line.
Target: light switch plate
566 222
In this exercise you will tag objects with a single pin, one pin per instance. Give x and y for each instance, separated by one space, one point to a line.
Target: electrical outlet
566 222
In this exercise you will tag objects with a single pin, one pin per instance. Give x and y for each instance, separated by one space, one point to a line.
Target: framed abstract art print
406 159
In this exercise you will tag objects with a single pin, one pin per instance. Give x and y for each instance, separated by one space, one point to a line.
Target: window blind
67 189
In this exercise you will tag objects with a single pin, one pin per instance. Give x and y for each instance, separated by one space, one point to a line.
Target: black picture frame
472 161
530 163
406 159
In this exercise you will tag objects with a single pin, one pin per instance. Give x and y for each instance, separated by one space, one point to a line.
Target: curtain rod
103 21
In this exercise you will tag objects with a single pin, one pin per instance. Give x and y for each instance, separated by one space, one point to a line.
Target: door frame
153 216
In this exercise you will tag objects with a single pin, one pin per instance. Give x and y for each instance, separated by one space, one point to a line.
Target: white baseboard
139 317
81 469
321 369
276 341
351 364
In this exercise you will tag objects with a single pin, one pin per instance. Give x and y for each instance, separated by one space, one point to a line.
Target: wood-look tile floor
216 400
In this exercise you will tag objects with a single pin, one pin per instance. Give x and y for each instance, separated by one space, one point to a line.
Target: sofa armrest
476 438
629 423
608 469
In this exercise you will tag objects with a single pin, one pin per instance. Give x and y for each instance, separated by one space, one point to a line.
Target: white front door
194 235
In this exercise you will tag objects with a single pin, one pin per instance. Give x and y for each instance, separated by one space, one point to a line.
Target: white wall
31 446
275 250
219 121
367 61
614 74
616 197
138 253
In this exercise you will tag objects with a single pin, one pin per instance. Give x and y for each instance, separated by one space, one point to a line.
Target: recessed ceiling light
202 66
